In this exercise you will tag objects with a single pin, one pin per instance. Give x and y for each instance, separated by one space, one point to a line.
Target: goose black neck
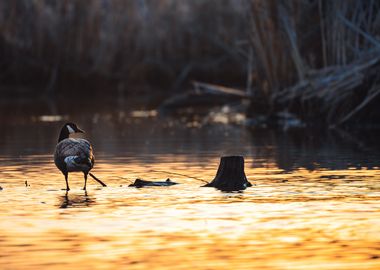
64 134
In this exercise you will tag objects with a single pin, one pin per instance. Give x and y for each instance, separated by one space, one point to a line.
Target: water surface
314 203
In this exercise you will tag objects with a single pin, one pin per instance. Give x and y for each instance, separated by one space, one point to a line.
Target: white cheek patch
70 129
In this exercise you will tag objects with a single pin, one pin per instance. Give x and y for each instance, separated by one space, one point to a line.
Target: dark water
314 203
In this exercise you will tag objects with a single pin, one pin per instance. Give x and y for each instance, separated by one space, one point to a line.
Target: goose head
73 128
68 129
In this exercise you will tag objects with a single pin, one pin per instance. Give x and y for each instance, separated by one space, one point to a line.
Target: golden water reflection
321 219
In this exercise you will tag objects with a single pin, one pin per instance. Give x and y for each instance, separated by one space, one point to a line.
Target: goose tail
97 180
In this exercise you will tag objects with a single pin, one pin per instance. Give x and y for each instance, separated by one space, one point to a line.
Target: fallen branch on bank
205 94
333 86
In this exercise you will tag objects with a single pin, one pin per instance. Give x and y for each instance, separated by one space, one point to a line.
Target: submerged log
230 175
144 183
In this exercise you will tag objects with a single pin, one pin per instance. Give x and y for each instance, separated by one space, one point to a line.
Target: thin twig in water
124 178
196 178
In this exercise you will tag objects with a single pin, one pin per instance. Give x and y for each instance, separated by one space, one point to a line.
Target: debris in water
144 183
226 115
51 118
144 114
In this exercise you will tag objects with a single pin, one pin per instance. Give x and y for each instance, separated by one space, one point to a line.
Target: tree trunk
230 175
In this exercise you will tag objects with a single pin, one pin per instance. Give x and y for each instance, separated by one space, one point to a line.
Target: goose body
74 155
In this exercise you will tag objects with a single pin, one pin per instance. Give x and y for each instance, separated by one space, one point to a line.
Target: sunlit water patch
310 207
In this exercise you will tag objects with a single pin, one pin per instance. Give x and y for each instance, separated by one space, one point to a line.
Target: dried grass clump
122 39
316 54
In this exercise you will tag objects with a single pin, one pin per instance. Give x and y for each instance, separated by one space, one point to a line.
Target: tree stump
230 175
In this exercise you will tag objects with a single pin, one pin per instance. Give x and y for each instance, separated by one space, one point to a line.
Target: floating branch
144 183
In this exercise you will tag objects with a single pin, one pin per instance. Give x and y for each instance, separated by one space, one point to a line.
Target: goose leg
85 181
67 182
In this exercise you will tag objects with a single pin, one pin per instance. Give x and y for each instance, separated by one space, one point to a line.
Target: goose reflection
76 200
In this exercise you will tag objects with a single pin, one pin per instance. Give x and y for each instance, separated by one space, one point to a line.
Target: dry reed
274 47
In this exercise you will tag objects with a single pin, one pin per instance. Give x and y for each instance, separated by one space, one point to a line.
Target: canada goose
74 155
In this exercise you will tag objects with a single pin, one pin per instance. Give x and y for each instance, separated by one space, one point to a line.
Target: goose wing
74 147
74 152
